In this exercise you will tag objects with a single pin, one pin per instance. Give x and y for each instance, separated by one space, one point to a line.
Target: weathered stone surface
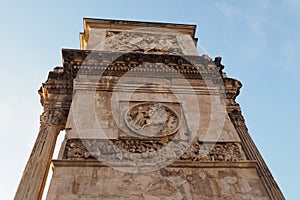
117 151
99 114
74 182
147 37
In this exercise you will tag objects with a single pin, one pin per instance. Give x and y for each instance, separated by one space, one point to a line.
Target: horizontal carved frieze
131 150
114 63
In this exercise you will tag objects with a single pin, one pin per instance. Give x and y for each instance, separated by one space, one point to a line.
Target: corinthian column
35 174
252 153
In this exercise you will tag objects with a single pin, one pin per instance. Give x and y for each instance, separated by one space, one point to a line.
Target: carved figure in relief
157 116
152 120
152 151
142 42
140 117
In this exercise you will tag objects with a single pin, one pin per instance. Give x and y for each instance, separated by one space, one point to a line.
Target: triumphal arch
146 116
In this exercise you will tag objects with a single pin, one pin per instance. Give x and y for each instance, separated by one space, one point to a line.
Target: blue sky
258 40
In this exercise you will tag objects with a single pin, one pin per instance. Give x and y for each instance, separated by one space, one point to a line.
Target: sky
258 41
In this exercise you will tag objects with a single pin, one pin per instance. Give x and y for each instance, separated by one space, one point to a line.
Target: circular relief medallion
152 120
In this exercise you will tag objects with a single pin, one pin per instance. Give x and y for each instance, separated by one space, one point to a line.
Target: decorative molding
77 149
56 97
203 164
57 91
233 87
125 25
117 63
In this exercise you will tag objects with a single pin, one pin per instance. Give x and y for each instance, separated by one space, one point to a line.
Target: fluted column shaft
252 153
35 174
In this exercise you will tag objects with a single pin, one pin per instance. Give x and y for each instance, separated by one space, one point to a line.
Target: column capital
55 116
237 118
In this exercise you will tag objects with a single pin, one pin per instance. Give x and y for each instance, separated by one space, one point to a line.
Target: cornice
118 63
109 24
59 85
57 91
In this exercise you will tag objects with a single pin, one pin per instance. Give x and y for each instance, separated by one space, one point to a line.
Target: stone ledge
110 24
178 164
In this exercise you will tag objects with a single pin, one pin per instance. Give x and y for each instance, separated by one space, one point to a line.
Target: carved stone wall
93 181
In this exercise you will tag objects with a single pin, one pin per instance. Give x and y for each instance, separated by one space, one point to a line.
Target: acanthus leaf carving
56 117
237 118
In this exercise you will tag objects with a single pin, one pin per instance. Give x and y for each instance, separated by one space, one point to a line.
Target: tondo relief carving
152 120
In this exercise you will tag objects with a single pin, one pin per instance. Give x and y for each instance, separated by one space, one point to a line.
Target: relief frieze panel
142 42
119 150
